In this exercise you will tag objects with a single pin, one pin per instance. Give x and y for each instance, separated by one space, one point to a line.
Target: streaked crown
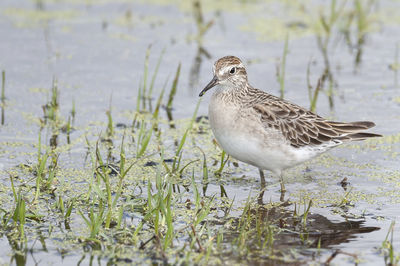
229 67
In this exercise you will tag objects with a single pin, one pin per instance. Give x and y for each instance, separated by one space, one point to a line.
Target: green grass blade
146 70
153 78
172 93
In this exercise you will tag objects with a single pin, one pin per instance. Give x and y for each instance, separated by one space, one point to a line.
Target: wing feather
301 127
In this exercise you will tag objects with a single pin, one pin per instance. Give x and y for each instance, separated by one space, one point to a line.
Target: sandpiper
265 131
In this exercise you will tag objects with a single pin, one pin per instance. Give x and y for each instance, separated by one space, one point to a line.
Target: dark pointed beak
212 83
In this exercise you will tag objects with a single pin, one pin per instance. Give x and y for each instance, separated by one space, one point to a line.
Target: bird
268 132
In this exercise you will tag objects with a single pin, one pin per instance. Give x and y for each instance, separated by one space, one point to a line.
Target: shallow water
96 52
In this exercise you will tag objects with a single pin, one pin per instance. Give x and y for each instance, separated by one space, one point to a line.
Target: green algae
35 18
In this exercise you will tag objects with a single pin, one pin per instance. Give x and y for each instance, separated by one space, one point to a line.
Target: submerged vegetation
141 186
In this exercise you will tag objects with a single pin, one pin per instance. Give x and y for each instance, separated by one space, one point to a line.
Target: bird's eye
233 70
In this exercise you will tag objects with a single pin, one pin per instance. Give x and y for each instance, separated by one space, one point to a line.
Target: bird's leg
282 198
262 187
283 189
262 177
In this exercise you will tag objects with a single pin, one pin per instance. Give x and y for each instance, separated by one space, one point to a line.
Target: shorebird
265 131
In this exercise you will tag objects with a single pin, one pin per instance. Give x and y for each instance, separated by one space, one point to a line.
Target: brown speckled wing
302 127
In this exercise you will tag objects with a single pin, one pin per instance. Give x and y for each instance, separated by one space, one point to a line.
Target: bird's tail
359 136
353 130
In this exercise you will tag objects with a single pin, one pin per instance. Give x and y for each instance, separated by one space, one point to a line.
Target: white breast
244 138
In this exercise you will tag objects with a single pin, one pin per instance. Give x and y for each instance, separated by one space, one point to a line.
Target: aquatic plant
280 73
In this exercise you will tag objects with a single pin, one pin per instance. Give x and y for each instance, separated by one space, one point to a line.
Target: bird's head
229 73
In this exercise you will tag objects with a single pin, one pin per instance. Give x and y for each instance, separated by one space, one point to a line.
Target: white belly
248 141
249 150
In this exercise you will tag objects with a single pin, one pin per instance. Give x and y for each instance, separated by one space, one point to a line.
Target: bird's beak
212 83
